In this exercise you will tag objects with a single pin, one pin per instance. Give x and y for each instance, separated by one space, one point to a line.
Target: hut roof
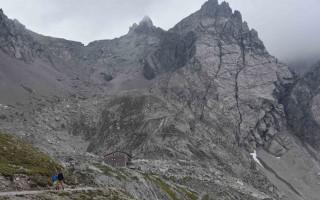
130 156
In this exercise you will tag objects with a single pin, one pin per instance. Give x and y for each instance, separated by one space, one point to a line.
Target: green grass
108 171
205 197
173 191
19 157
163 186
107 193
63 194
190 195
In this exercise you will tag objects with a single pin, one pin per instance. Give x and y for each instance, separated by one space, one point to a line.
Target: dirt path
31 192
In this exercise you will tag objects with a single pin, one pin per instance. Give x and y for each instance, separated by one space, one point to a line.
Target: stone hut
117 159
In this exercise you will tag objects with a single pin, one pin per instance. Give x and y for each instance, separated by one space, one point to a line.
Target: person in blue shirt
55 181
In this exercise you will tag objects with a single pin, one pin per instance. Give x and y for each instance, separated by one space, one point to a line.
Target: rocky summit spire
3 22
237 15
146 21
210 4
212 9
145 26
224 10
2 15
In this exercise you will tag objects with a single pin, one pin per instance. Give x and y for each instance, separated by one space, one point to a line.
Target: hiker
54 180
60 180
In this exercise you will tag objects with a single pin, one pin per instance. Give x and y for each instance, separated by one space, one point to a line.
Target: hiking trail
33 192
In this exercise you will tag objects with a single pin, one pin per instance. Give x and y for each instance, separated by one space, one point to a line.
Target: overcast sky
288 28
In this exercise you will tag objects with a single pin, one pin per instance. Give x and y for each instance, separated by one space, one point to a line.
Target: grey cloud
289 28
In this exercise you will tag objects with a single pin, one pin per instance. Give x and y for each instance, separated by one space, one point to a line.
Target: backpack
60 177
54 178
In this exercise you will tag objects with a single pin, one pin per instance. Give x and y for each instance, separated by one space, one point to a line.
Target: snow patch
4 106
255 158
240 183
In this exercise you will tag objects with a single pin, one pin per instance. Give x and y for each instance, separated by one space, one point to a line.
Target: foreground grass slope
108 193
18 157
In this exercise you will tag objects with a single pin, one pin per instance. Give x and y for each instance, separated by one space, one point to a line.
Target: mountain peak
145 26
237 15
212 9
146 20
210 4
2 15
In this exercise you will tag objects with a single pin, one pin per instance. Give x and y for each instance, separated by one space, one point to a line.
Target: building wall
117 159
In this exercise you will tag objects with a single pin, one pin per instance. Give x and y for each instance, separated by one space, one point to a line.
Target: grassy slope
18 157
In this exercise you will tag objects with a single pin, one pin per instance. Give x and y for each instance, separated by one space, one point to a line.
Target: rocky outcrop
14 40
144 27
230 69
302 107
23 44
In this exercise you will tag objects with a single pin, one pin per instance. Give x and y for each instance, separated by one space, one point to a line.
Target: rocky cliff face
193 104
14 40
303 107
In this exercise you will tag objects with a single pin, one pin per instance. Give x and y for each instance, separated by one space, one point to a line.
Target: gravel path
31 192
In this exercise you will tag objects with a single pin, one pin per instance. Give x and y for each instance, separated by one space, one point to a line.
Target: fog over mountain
289 28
